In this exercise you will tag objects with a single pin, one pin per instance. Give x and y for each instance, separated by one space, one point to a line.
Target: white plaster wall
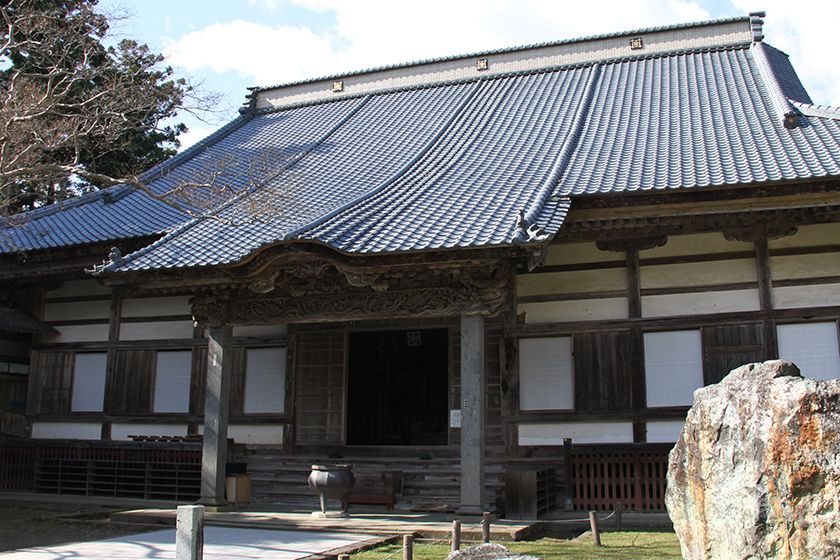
156 330
260 330
664 431
577 253
261 434
120 432
77 310
80 333
809 236
74 288
603 280
553 433
66 430
699 303
805 266
819 295
698 274
574 310
151 307
696 244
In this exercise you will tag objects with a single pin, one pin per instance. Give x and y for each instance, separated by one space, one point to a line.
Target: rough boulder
756 470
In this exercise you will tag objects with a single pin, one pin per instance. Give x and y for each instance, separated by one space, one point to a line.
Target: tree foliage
76 113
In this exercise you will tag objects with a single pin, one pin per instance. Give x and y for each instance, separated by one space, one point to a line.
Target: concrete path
220 543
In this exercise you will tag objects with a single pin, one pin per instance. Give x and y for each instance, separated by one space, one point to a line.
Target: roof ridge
503 75
84 198
114 266
567 151
816 110
397 174
782 105
705 23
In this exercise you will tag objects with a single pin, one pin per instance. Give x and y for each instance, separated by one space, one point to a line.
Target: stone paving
220 543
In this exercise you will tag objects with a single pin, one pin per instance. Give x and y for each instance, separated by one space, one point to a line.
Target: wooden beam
675 322
634 285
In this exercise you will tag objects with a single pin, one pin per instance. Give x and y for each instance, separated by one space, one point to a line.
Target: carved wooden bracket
762 230
623 245
336 294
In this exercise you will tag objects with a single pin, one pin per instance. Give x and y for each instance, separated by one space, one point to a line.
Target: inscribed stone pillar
472 414
216 411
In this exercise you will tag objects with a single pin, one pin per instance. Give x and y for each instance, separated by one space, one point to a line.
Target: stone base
470 510
331 514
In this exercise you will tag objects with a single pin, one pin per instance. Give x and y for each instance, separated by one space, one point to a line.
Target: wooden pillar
765 296
472 415
216 411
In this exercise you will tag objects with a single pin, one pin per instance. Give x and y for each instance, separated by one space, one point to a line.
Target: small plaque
636 44
414 338
482 64
454 418
338 85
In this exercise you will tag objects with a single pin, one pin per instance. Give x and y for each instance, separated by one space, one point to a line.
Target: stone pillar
472 415
216 411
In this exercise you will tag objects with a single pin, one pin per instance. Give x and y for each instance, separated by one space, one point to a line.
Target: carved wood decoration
632 243
318 291
762 231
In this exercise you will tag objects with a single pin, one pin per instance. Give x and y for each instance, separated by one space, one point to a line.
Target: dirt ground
29 525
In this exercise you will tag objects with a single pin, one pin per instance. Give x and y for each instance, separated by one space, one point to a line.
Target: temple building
496 278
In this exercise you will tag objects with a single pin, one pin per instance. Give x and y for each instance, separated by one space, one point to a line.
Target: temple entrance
398 387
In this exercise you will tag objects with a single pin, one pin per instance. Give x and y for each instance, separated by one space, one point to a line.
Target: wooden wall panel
320 387
50 383
237 382
130 388
604 370
198 381
729 346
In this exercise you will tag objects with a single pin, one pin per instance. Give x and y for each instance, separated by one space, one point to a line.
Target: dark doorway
398 388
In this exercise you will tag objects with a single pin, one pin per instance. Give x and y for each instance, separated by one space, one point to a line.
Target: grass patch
616 546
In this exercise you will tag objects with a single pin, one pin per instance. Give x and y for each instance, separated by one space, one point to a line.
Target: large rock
756 470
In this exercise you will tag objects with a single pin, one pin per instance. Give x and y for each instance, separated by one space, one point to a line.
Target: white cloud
195 134
370 33
259 53
809 37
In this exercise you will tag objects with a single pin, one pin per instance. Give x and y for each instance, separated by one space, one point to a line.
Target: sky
228 45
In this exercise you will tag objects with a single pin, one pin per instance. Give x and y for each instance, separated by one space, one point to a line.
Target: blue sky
230 45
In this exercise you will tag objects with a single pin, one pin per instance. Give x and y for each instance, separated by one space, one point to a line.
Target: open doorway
398 386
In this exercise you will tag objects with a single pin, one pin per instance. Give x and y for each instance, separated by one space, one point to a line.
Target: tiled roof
693 120
492 160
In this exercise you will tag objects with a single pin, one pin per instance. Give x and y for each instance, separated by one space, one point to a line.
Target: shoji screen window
811 346
673 367
546 374
265 381
89 382
172 382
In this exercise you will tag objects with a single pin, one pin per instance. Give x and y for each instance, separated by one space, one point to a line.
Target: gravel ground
29 525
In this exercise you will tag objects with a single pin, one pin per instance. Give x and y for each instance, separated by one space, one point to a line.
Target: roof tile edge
703 35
